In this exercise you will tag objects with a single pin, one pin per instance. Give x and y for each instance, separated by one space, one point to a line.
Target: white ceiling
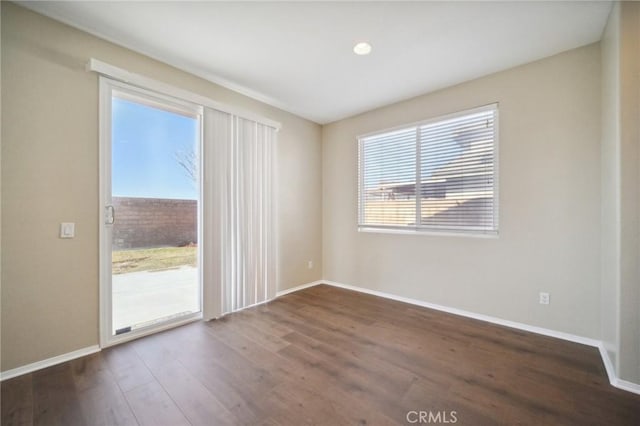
298 56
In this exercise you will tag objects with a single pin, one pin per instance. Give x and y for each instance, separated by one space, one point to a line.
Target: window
437 175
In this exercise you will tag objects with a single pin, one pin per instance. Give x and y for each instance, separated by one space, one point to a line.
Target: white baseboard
608 364
627 386
487 318
39 365
299 287
613 378
611 373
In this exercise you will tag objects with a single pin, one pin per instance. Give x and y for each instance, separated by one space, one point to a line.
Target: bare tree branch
188 160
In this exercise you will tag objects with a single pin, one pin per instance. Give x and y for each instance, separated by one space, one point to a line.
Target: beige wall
50 175
629 367
549 202
610 186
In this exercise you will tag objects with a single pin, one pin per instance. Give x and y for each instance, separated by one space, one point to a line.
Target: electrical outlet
310 264
544 298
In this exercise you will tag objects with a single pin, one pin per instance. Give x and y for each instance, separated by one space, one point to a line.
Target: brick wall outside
153 222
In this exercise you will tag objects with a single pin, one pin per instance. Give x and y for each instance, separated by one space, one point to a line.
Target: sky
145 143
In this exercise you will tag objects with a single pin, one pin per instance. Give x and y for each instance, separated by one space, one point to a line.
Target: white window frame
110 74
432 229
169 103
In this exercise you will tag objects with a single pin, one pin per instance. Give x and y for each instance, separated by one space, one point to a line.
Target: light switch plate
67 230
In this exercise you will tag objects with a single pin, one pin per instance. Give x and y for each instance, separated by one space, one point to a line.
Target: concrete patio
144 297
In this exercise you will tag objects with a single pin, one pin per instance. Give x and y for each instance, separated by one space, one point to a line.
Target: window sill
488 235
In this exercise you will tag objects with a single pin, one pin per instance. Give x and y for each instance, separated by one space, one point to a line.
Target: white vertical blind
240 209
435 175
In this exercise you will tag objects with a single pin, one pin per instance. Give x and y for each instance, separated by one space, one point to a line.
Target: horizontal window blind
436 175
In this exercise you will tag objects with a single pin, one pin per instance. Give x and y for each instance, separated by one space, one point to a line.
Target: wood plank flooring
327 356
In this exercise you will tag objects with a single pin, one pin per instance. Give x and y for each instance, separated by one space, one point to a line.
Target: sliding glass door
150 265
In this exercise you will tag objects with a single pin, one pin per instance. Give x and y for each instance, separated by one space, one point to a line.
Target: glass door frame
107 87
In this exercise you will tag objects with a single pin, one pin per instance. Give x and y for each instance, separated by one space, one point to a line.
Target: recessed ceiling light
362 48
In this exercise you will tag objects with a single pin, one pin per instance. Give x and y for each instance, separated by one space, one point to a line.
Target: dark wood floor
331 357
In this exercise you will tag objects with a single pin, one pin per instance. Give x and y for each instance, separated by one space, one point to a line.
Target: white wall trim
627 386
487 318
611 372
608 365
39 365
298 288
144 82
